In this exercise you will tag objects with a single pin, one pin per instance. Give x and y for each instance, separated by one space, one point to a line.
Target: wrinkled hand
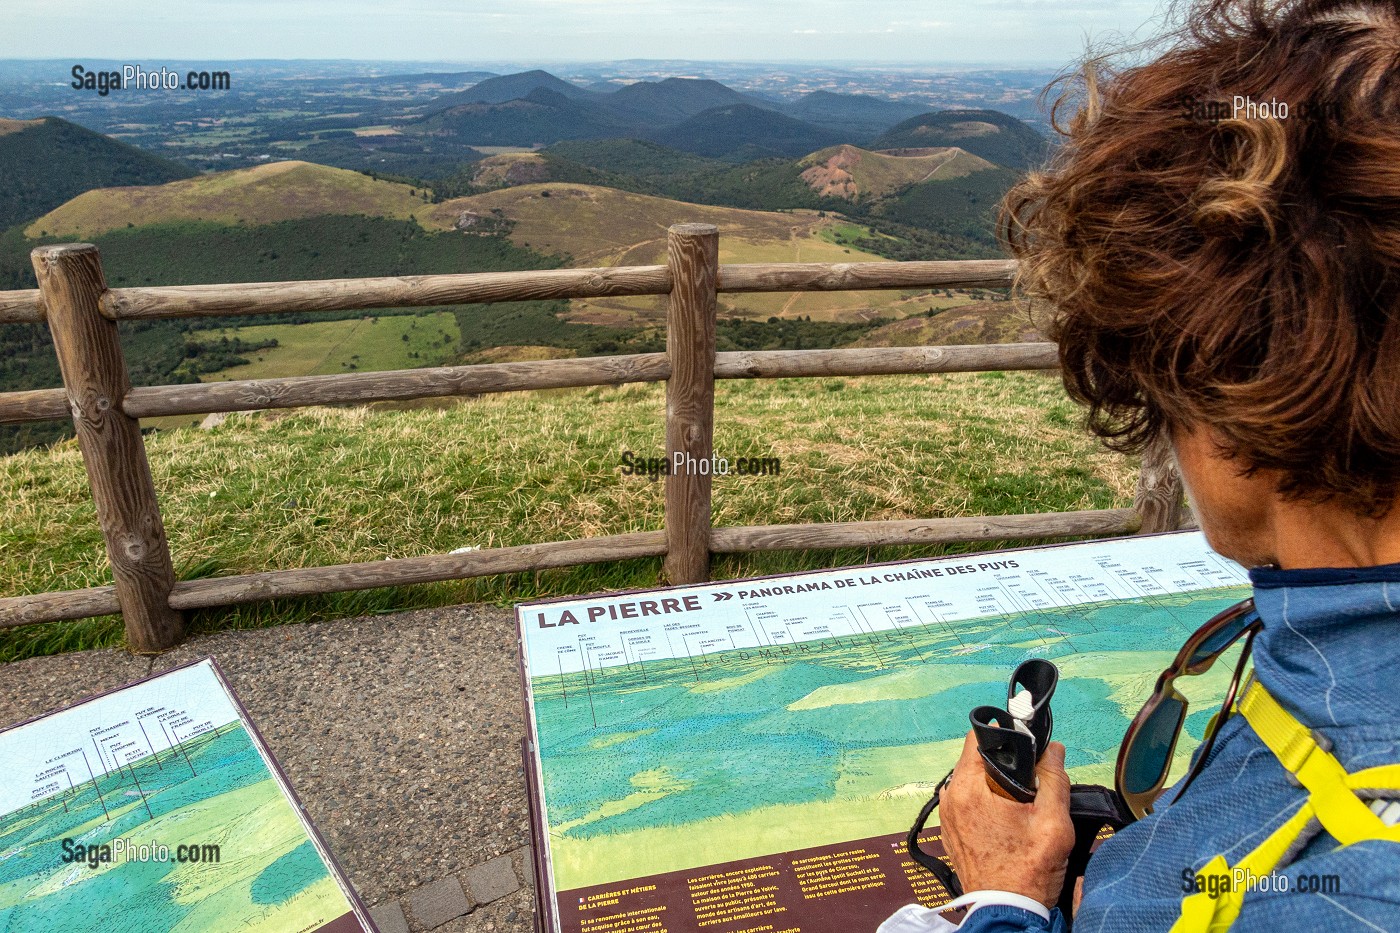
1001 845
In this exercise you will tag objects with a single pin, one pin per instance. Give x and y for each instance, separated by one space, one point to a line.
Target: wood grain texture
840 277
922 531
1160 498
170 301
56 607
692 252
352 388
95 378
34 405
25 306
883 361
228 591
173 301
225 591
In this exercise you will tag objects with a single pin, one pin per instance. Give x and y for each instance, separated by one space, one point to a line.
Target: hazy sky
149 31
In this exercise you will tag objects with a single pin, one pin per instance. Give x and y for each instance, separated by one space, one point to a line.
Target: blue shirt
1329 652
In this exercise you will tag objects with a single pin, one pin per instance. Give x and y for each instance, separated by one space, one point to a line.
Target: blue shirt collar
1330 646
1274 577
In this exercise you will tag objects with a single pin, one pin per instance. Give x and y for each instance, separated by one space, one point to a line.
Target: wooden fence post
96 380
1160 495
692 253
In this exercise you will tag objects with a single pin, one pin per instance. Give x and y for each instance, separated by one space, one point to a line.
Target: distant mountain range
859 116
535 108
930 181
541 116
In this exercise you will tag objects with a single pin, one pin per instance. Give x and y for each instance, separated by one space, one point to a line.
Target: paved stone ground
401 735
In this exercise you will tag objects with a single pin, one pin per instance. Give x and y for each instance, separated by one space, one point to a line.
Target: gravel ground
401 735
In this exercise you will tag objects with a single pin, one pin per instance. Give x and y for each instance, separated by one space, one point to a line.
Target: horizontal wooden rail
56 607
21 307
34 405
398 385
168 301
884 361
859 276
202 398
276 584
737 539
279 584
181 301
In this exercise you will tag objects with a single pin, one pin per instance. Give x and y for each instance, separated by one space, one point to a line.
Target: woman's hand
998 844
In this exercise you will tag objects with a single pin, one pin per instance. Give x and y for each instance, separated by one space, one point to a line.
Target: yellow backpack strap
1331 790
1201 913
1332 800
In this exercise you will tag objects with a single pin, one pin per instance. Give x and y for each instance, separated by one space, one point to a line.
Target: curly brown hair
1237 270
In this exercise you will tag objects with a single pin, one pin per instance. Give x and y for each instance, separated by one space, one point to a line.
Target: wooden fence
82 315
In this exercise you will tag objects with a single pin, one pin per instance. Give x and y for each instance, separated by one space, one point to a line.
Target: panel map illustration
156 808
693 733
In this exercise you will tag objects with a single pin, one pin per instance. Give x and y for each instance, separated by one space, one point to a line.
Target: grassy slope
325 486
851 172
261 195
606 227
321 348
979 322
315 247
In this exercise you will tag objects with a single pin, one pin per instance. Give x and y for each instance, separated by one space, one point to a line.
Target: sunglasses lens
1150 755
1219 640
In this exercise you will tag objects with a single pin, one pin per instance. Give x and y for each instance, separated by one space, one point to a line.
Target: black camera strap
1092 809
939 868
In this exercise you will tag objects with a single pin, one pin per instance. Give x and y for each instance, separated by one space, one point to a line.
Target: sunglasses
1145 757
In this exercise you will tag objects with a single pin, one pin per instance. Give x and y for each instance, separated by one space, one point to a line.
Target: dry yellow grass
605 227
851 172
259 195
8 125
977 322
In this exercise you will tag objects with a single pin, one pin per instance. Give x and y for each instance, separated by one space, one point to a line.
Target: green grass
319 348
323 347
324 486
